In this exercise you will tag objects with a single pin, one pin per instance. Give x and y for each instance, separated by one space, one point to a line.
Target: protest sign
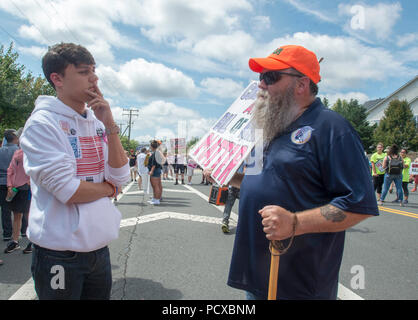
229 142
414 168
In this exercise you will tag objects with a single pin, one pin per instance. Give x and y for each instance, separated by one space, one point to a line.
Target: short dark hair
154 144
10 135
61 55
393 149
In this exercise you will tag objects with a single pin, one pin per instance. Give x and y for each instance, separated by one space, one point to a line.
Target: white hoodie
61 147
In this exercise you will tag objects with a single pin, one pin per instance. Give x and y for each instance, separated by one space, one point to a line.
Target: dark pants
69 275
378 182
6 215
233 194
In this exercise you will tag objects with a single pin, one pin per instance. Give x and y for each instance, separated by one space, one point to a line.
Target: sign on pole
414 168
229 142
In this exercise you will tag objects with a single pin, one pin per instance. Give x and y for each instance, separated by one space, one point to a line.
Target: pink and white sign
230 140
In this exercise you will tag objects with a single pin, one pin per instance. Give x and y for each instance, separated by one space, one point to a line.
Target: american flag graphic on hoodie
91 161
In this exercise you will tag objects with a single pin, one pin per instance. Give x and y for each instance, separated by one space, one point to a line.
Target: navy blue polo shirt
319 160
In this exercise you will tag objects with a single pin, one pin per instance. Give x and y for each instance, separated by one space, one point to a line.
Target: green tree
398 126
18 91
191 143
325 101
132 144
356 114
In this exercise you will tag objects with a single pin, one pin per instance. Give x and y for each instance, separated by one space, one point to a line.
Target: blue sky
185 61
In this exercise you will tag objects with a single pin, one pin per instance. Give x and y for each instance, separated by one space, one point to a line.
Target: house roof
371 103
388 98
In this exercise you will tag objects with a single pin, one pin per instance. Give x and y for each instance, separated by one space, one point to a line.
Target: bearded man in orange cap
315 184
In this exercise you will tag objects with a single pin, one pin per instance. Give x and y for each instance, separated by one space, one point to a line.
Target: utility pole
130 113
120 128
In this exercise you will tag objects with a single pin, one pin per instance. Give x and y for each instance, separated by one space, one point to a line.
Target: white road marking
234 216
346 294
25 292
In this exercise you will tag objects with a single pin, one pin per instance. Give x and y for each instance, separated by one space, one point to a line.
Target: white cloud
165 20
371 21
347 62
37 52
223 88
259 23
162 119
232 48
144 138
406 39
49 22
146 80
305 9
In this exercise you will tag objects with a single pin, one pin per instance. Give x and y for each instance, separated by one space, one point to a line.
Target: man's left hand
277 222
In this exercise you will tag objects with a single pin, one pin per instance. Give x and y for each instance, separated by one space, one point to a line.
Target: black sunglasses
271 77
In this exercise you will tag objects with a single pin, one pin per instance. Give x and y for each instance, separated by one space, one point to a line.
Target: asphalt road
177 251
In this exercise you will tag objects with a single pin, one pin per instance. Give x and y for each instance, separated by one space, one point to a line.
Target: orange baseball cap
290 56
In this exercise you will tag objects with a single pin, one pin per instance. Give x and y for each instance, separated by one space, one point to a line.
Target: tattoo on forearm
332 213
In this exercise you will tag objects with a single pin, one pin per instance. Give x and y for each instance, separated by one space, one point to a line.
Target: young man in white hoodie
74 157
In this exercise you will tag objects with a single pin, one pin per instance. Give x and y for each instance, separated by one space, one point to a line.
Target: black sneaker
12 246
175 183
182 182
28 249
7 238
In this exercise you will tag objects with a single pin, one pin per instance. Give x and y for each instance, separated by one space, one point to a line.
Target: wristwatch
112 130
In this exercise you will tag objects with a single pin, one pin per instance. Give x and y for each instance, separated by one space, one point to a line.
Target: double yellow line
404 213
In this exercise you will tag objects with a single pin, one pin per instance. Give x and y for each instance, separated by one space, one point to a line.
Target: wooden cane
277 249
274 274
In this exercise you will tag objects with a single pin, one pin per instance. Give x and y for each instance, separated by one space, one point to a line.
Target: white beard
274 114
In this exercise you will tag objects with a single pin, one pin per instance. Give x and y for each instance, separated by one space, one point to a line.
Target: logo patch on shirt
75 146
65 126
301 135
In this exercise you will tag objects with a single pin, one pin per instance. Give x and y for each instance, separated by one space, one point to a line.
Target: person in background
132 164
20 203
142 163
378 172
179 165
165 167
191 165
155 167
415 179
6 155
393 164
405 174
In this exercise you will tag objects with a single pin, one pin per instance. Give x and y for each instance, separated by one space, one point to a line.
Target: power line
63 20
49 41
130 113
18 42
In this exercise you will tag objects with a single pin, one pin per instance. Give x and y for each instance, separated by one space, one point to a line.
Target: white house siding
408 93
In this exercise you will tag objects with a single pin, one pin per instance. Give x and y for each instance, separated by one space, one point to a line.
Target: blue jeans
233 194
398 183
69 275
